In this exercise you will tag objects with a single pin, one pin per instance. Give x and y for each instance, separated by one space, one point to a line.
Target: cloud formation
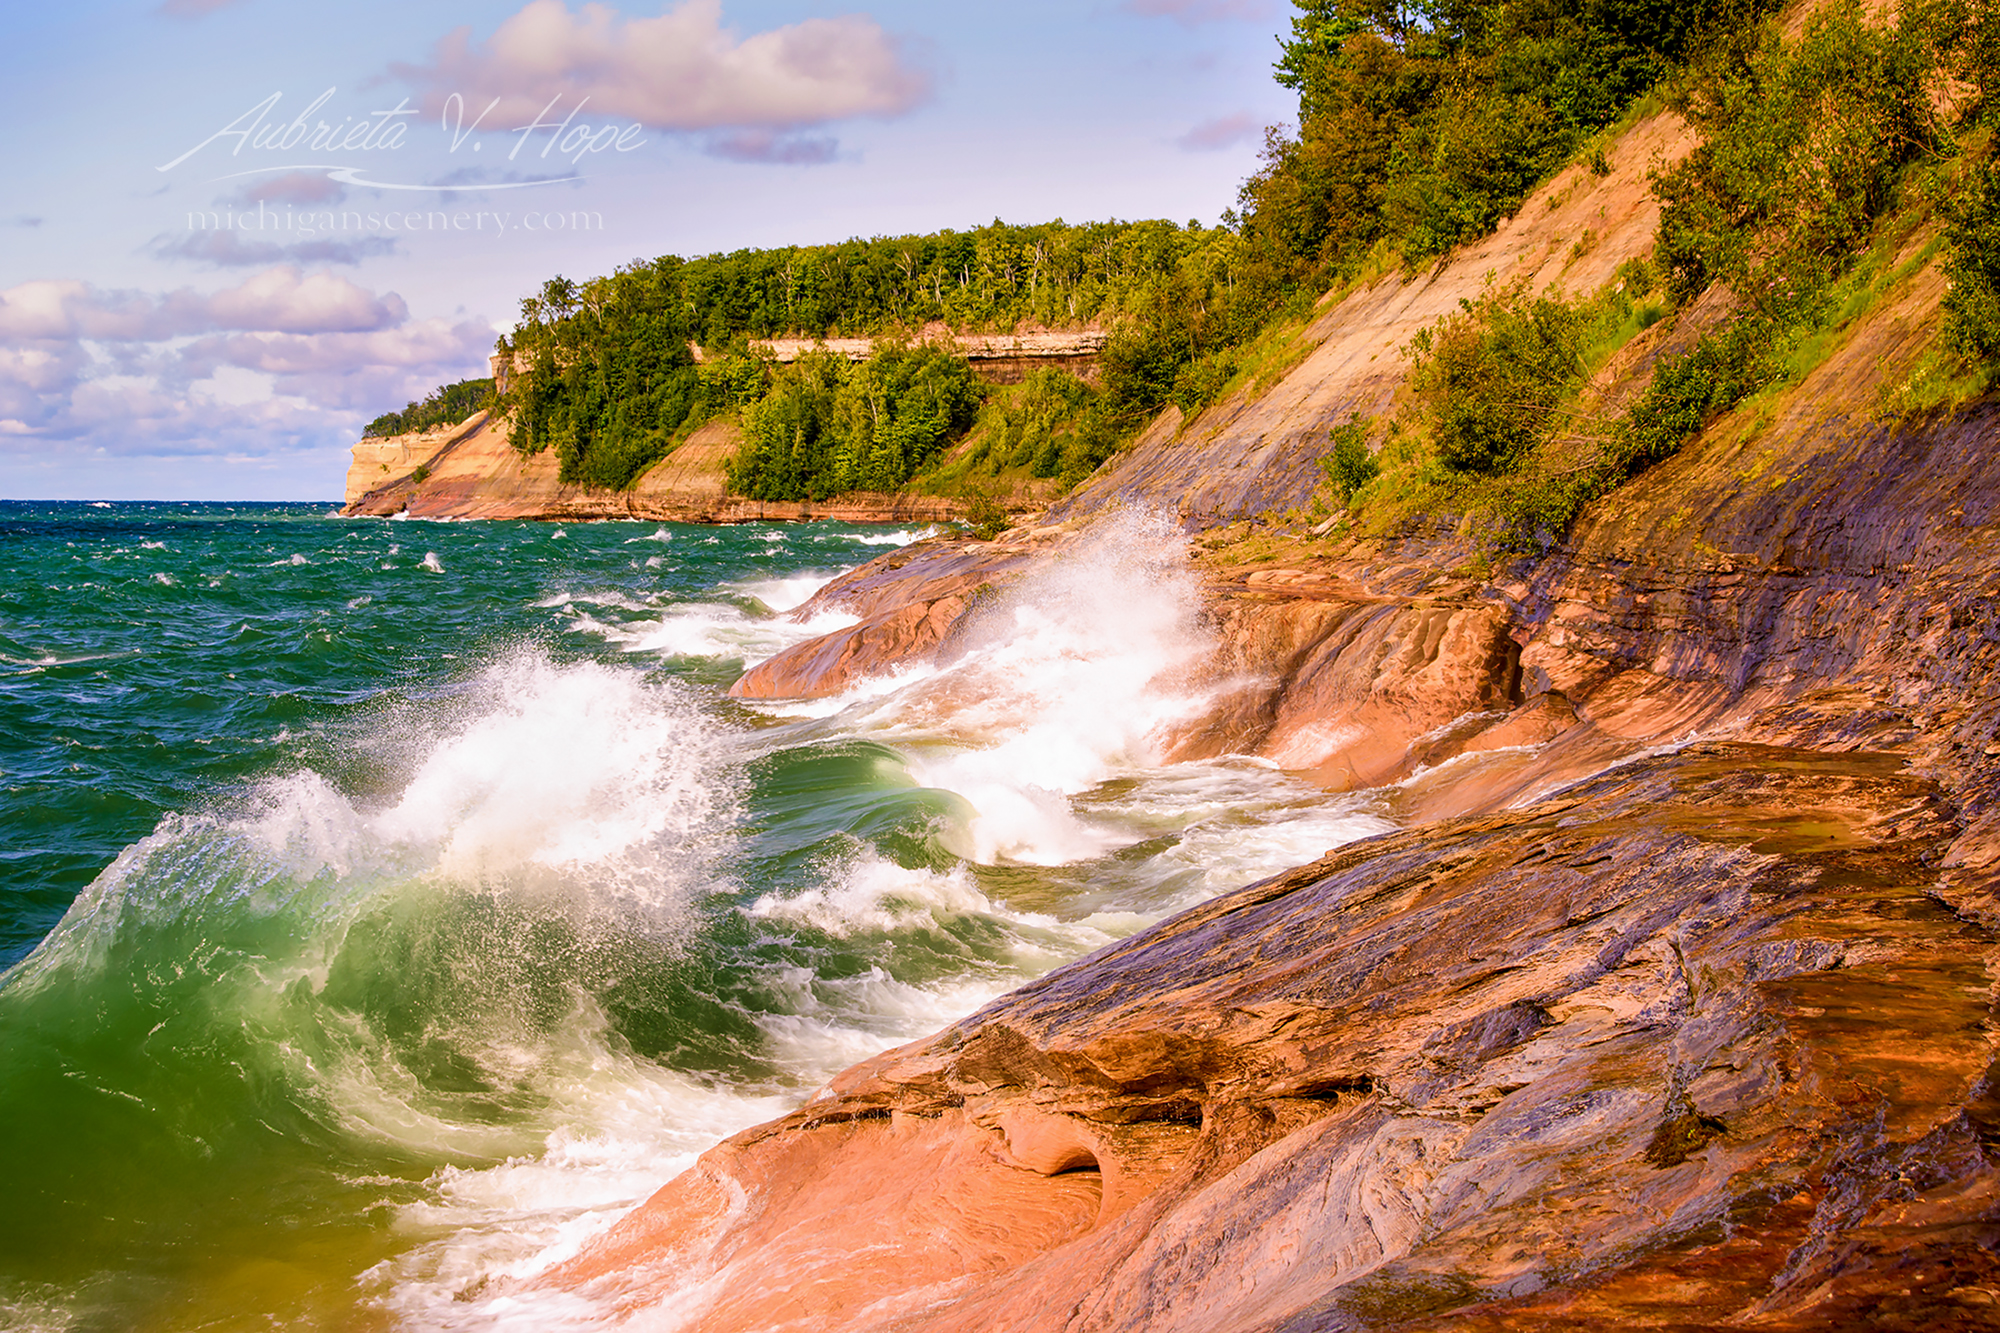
147 374
278 300
681 70
1222 132
295 187
780 149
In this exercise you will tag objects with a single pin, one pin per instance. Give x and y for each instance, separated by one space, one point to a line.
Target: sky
232 232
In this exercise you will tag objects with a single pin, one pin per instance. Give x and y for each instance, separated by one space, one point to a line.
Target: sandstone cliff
1673 1007
472 471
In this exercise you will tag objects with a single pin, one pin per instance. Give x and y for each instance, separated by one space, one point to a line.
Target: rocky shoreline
1673 1005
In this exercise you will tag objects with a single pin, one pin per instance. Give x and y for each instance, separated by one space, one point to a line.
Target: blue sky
177 321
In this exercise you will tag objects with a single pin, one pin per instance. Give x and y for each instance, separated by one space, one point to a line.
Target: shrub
985 518
1347 463
1491 376
826 425
1688 391
1972 235
1802 146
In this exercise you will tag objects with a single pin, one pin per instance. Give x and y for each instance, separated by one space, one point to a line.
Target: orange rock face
908 600
1657 1044
479 474
1672 1007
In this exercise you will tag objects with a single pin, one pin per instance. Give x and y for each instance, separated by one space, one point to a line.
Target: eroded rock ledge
1696 1039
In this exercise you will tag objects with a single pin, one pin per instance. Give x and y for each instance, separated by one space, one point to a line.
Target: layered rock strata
475 472
1694 1041
1674 1005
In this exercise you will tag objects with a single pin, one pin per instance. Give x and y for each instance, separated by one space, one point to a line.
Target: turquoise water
389 905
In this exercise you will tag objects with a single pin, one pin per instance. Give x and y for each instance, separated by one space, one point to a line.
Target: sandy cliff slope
1250 454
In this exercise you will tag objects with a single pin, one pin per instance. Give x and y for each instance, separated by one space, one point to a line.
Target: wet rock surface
908 602
1695 1042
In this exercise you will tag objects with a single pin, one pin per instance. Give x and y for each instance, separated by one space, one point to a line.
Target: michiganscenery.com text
306 224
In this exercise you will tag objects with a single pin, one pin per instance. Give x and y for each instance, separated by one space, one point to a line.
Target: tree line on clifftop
1421 126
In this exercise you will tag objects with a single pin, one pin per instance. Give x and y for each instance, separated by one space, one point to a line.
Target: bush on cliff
446 406
1490 377
1972 231
1802 146
1497 436
1347 463
1425 123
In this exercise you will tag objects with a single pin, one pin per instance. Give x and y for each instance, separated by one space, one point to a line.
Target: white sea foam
585 794
1075 675
607 797
606 598
717 630
629 1126
788 592
432 563
901 537
575 767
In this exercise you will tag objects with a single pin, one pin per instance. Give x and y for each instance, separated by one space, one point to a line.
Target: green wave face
394 904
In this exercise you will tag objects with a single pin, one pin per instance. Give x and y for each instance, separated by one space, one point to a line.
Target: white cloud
228 249
280 299
324 367
186 374
681 70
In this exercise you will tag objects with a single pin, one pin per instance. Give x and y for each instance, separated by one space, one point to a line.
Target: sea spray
1067 678
426 953
596 776
430 978
746 629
